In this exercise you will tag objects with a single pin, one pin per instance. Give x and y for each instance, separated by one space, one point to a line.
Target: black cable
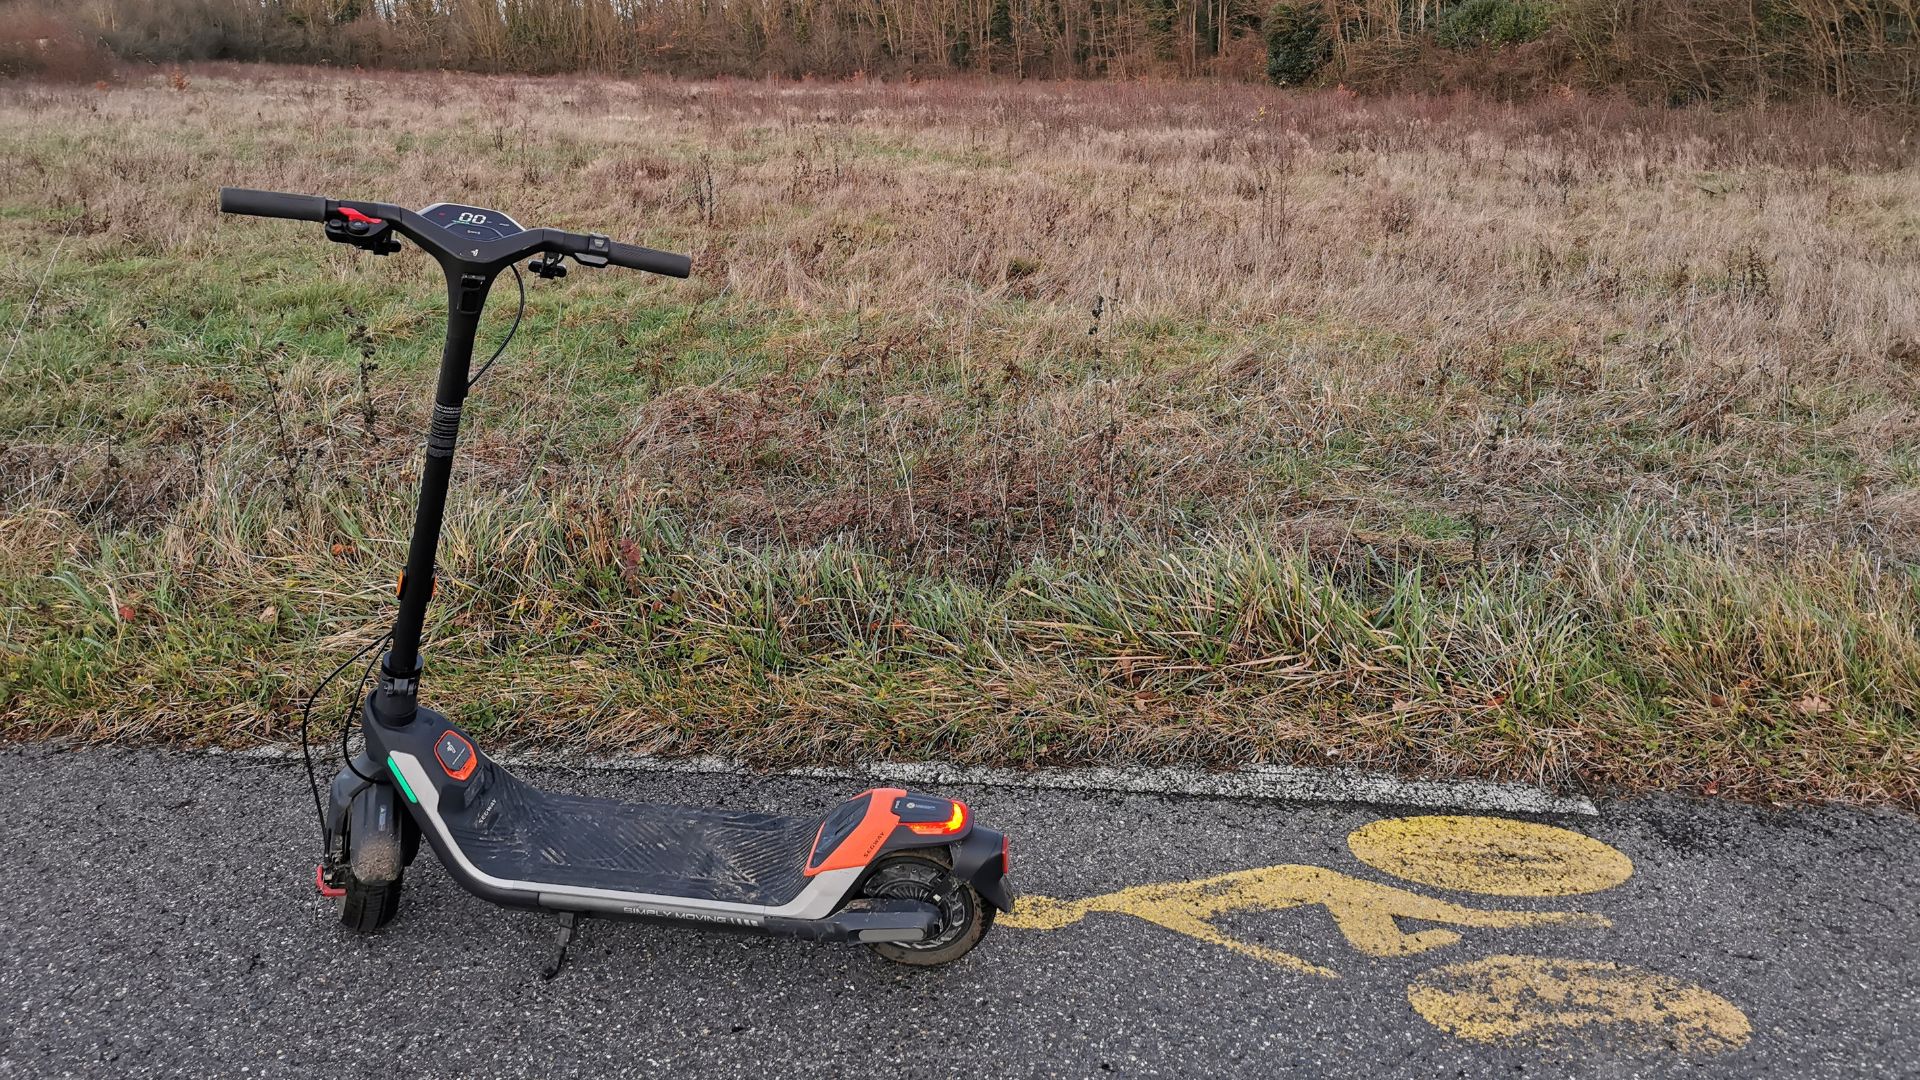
511 330
346 725
306 718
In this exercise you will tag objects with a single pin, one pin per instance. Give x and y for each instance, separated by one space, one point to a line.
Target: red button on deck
456 755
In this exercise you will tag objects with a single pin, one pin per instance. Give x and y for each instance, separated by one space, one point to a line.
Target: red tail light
948 827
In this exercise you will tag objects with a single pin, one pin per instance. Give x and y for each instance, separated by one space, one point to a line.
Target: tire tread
369 905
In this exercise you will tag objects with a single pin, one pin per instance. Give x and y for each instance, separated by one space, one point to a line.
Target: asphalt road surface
157 917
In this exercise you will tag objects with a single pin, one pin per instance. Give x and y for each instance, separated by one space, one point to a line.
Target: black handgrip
653 262
239 200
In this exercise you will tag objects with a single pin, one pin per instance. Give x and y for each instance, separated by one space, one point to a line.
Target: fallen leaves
1812 705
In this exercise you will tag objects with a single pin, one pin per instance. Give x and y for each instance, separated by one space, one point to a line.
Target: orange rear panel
860 845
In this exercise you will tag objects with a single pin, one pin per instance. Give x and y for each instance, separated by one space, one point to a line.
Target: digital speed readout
472 222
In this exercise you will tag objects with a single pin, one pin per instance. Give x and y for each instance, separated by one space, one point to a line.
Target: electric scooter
909 874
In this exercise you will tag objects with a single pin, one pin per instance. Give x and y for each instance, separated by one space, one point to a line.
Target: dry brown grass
41 41
1159 411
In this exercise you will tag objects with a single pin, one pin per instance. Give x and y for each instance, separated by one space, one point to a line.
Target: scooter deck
514 830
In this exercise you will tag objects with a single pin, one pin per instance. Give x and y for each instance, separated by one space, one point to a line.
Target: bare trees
787 37
1860 50
1676 50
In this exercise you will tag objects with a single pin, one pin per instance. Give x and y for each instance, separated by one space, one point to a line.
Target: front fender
980 860
366 827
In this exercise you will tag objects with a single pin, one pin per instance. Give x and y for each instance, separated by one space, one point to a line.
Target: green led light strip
393 770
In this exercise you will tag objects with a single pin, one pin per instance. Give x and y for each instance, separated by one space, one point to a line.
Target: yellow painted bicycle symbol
1505 998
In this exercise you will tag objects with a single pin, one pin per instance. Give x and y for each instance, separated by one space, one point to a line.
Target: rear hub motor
925 877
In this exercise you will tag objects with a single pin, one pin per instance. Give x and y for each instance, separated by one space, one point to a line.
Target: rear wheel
927 876
369 905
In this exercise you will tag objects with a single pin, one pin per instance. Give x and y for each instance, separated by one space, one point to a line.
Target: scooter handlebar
635 257
281 204
278 204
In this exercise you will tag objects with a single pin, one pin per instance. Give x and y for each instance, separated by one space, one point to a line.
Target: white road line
1254 782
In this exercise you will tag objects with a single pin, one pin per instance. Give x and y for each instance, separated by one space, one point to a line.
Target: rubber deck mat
514 830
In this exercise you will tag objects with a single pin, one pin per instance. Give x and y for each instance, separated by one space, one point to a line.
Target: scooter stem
397 698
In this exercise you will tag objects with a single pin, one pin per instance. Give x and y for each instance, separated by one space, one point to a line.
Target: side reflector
400 586
943 828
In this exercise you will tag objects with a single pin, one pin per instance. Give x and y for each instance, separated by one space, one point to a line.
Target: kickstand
569 928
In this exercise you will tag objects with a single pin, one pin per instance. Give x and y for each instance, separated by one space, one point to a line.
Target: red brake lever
351 214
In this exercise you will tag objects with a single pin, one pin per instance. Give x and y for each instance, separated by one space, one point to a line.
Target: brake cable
511 330
346 723
306 719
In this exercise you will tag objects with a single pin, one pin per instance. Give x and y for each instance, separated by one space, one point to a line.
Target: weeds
1027 423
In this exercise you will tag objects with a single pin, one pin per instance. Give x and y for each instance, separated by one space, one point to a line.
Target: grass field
1001 422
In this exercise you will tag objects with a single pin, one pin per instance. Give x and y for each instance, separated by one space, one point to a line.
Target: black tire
926 875
369 906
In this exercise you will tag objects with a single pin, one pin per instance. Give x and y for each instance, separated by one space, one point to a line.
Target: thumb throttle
597 250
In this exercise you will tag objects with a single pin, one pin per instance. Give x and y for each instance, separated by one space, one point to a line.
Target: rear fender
980 860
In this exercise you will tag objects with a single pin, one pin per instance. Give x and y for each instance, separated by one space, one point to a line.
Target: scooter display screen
472 222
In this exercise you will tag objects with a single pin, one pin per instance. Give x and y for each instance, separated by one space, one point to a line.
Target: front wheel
369 905
927 876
